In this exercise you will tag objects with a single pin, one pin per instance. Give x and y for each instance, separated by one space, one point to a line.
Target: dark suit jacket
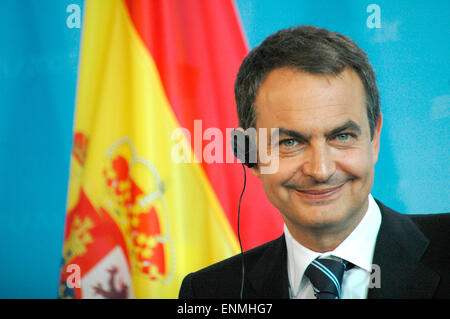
412 251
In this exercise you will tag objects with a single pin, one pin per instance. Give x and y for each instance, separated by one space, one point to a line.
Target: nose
318 163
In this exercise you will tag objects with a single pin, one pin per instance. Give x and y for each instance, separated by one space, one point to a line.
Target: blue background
38 74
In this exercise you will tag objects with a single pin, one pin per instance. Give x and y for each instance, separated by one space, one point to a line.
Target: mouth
319 193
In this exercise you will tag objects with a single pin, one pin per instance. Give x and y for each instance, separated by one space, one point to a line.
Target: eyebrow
347 126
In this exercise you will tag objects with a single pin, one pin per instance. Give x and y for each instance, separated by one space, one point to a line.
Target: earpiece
244 148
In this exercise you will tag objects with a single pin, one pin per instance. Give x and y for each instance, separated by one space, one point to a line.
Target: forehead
291 98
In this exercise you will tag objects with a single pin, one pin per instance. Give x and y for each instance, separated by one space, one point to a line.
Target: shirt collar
357 248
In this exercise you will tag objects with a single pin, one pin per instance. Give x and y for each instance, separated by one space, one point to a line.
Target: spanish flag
137 219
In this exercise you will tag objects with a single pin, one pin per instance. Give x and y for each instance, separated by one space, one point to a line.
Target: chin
323 214
320 217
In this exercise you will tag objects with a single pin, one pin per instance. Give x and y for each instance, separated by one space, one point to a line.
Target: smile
319 194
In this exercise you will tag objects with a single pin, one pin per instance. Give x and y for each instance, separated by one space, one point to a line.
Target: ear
255 170
376 139
244 147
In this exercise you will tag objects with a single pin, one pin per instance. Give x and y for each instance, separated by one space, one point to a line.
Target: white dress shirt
357 248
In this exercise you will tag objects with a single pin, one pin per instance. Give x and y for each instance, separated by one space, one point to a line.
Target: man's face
326 155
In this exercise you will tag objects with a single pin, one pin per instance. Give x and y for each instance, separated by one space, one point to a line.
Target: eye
343 136
288 142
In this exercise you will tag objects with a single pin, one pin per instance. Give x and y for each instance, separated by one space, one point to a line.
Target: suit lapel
399 247
268 277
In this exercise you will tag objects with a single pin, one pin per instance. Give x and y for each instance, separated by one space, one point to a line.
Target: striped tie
326 277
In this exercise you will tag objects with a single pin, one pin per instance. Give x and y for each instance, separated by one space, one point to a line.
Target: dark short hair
308 49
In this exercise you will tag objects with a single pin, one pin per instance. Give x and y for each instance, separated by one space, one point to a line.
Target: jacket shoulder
425 238
222 279
434 226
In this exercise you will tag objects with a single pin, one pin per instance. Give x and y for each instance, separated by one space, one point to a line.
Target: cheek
355 162
272 183
358 164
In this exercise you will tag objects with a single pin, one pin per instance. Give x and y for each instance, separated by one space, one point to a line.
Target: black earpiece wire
241 294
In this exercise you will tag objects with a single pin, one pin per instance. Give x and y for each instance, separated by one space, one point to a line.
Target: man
318 88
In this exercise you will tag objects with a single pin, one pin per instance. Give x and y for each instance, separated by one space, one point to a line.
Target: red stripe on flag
198 47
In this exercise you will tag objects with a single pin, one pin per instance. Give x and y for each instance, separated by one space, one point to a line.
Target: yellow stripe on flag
161 207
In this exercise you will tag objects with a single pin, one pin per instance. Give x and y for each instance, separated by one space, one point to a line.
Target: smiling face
326 154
